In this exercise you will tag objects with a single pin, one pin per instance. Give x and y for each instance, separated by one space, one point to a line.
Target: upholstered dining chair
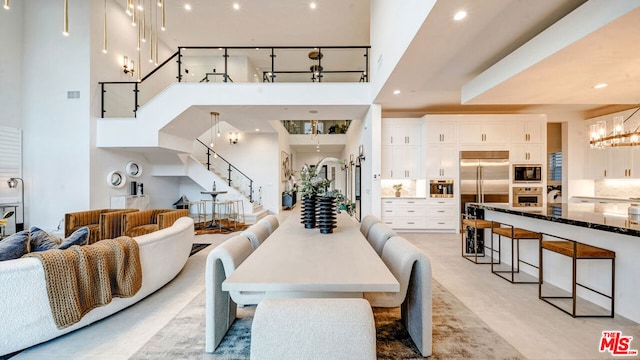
271 222
257 234
221 306
412 269
367 223
3 221
378 236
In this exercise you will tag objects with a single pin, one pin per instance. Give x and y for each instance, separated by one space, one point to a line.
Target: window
555 166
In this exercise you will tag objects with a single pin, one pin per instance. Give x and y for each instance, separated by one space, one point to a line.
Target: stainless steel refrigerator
484 178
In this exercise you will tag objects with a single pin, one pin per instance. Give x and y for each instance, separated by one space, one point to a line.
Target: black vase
326 214
308 215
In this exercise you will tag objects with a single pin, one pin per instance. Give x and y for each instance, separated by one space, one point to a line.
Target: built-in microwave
527 173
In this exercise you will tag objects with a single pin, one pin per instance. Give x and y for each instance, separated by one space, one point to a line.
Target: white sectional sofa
25 315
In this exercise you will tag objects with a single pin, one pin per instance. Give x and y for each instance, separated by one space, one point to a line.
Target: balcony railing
238 64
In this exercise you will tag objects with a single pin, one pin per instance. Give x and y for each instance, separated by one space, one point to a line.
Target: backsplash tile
617 188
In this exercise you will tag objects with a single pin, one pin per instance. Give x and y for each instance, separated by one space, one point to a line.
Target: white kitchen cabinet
597 164
402 162
533 131
442 214
527 153
442 132
404 213
483 133
403 132
442 162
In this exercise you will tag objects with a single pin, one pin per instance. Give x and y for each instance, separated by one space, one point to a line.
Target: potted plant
397 188
311 187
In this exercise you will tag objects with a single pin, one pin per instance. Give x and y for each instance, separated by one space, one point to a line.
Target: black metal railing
198 64
235 178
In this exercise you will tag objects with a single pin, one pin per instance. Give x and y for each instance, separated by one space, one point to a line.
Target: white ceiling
443 57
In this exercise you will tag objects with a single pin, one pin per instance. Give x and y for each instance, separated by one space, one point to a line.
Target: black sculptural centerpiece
326 214
308 215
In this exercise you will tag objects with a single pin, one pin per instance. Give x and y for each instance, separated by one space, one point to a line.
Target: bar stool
197 212
576 251
515 234
474 246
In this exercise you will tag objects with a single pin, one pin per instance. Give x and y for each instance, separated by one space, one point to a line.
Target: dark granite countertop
612 217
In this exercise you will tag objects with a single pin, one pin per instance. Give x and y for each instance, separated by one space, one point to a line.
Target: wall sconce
361 157
13 183
233 137
128 65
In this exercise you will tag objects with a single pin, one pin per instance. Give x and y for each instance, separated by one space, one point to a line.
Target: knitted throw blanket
82 278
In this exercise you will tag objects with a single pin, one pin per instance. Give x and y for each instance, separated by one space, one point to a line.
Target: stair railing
235 178
195 64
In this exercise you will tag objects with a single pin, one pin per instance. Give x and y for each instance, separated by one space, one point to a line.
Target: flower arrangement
397 188
311 183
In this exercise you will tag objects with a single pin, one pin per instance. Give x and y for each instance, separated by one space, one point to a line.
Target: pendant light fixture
163 16
104 30
65 31
6 5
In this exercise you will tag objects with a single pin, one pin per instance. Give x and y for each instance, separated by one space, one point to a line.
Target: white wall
11 65
393 25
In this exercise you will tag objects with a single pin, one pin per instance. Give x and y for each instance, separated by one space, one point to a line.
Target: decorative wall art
286 163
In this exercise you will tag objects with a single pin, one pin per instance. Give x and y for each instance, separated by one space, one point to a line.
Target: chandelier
599 138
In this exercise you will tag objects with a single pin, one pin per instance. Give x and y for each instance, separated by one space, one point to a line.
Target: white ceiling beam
589 17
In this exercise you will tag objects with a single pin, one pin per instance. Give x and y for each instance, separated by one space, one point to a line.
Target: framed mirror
133 169
116 179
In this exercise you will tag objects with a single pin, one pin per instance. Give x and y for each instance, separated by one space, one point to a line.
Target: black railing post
226 57
136 91
102 100
319 64
179 64
250 191
366 64
273 65
229 177
208 159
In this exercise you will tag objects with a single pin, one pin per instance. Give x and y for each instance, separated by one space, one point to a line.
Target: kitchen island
603 225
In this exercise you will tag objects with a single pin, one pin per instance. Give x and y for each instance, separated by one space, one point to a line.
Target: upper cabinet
402 132
474 132
532 131
442 131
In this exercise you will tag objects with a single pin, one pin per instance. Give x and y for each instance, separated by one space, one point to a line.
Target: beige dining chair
367 223
412 269
271 222
257 234
221 306
378 236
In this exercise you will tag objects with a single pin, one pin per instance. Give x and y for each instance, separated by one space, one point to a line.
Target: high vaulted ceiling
446 57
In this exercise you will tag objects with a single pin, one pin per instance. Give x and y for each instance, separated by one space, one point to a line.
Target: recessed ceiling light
600 86
187 7
313 5
313 111
236 6
257 129
460 15
396 92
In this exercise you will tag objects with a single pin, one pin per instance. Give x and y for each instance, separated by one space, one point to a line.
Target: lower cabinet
404 213
419 214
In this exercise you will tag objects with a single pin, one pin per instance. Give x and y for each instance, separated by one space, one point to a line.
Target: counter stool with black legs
472 249
576 251
515 234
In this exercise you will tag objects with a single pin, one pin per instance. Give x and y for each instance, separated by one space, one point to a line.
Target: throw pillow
78 237
42 240
14 246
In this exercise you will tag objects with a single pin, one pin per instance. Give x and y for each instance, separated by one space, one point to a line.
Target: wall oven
527 196
527 173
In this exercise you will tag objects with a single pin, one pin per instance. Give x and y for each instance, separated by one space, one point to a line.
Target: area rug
227 228
197 247
457 334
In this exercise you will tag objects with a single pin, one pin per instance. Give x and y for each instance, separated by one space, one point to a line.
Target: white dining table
298 262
